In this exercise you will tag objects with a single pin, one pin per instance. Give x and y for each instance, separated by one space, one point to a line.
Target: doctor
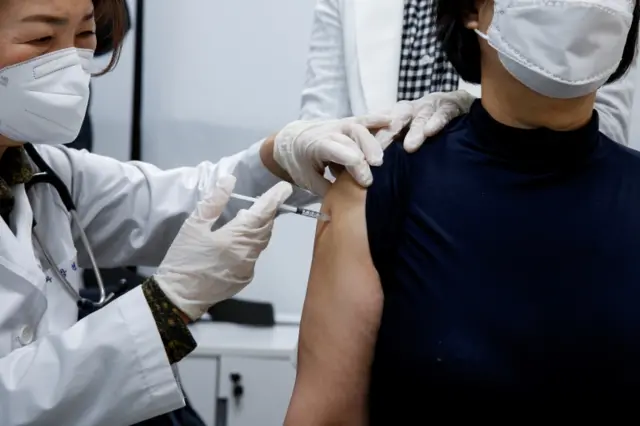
367 55
115 366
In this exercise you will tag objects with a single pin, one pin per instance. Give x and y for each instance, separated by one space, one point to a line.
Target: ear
471 21
471 16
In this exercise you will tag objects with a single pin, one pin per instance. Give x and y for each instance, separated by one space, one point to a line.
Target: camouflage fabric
178 341
14 169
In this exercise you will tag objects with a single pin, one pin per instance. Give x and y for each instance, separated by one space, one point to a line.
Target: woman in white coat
367 55
115 366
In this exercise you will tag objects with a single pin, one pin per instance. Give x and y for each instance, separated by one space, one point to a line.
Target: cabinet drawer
254 391
199 378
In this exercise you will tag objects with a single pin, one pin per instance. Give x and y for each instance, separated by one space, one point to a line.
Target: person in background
494 271
366 55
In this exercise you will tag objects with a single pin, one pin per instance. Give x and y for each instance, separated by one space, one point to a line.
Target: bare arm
340 318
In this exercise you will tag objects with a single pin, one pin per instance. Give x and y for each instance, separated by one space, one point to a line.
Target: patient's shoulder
455 129
622 158
391 176
398 160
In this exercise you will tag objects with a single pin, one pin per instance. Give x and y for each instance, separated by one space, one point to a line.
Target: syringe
287 208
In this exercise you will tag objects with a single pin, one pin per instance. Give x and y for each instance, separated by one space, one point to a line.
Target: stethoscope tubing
48 176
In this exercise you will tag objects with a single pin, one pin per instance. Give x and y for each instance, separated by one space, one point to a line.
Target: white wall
111 102
218 76
474 89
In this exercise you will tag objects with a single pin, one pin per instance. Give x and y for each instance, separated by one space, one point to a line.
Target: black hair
463 49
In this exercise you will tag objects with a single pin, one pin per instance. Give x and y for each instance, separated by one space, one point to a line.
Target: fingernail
411 137
377 161
365 179
411 146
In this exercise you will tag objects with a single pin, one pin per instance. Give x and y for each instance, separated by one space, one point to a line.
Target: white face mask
44 100
560 48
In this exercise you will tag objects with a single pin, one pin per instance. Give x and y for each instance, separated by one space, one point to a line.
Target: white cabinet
255 391
240 376
199 379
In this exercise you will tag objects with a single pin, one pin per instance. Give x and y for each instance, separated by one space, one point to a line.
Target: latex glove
305 148
203 267
425 117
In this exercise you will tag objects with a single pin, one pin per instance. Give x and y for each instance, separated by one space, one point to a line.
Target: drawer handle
238 389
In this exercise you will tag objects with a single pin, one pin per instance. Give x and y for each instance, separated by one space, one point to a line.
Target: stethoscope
48 176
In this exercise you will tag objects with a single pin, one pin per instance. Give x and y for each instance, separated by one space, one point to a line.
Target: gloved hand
304 148
203 267
426 117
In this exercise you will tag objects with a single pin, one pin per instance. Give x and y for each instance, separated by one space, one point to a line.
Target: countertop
218 338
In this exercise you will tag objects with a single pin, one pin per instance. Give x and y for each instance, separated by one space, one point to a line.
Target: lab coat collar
16 249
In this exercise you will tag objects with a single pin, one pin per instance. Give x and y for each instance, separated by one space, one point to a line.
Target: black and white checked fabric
424 67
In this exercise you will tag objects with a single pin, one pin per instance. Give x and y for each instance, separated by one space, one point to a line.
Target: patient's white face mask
560 48
44 100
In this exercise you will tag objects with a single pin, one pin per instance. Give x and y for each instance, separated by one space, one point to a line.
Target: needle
287 208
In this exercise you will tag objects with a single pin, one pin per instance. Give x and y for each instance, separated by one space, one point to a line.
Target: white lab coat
354 61
111 367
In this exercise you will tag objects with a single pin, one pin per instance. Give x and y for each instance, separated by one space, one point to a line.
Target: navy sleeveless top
510 264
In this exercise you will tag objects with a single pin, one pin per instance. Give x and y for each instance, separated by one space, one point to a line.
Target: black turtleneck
510 262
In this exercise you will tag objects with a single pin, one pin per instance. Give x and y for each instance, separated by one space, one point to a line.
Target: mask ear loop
482 35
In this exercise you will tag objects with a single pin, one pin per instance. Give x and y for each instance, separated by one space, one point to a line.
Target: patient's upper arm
340 318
